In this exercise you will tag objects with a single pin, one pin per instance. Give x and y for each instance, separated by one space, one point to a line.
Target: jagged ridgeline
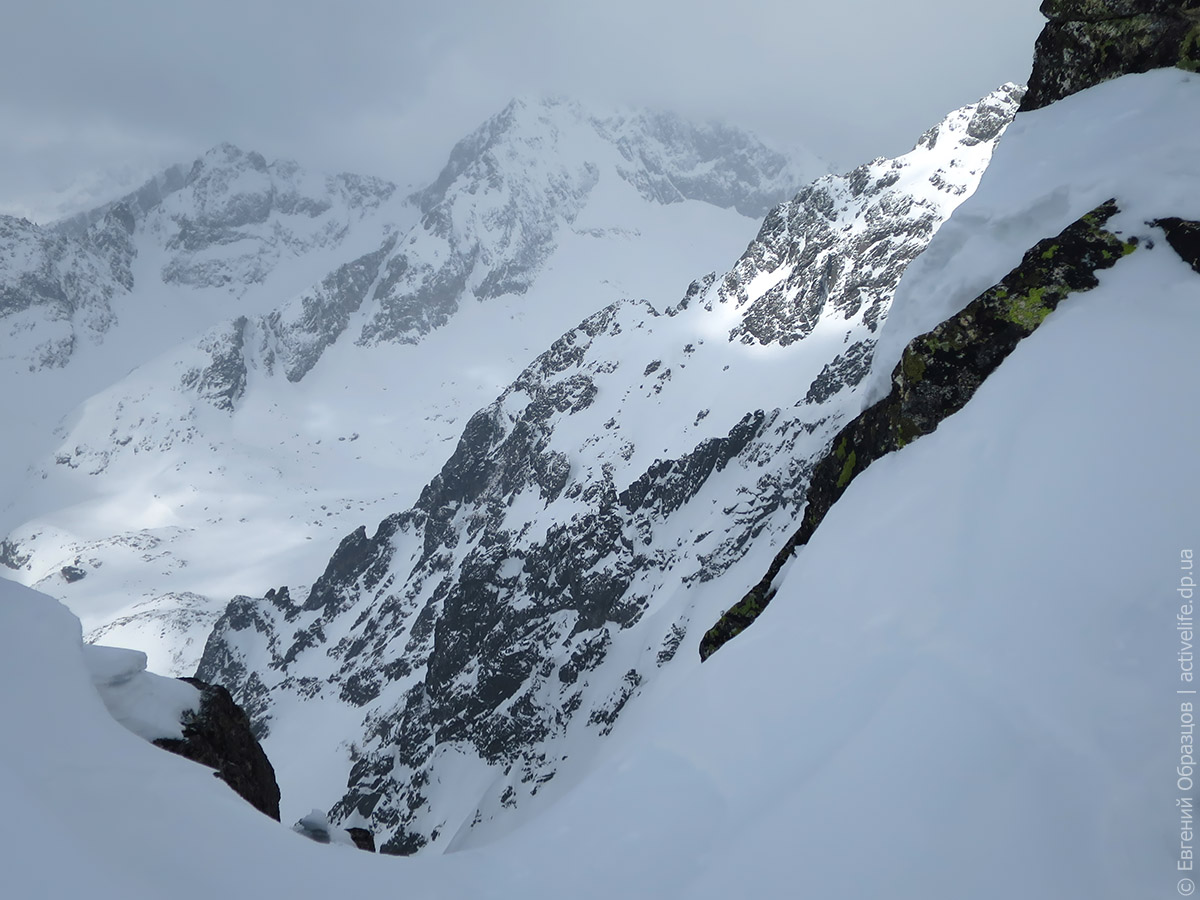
937 375
595 512
1085 42
227 222
249 294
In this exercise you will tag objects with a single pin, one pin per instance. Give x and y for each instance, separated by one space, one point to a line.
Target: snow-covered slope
339 336
87 300
632 478
976 658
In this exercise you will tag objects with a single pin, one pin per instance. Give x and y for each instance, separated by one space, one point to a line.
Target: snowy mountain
226 222
620 490
87 300
978 650
334 337
55 291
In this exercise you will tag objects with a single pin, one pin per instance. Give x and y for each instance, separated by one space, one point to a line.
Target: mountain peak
666 157
226 154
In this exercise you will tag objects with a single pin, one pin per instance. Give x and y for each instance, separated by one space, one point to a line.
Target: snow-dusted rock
554 566
277 424
56 291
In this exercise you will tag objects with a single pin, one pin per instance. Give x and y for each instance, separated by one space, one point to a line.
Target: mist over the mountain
94 100
625 506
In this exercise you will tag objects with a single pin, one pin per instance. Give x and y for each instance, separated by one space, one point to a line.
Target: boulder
1087 42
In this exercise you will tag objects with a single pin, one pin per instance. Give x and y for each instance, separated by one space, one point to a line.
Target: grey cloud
386 87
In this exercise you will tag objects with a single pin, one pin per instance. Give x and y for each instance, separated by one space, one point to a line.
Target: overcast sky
96 94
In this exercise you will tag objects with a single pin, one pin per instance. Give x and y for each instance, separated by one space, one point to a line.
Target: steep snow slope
1129 148
495 630
976 654
975 660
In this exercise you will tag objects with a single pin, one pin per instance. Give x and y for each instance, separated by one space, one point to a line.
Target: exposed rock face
1184 238
496 212
363 839
218 735
12 556
72 574
226 221
254 214
223 381
845 241
939 372
1090 41
515 610
295 339
56 291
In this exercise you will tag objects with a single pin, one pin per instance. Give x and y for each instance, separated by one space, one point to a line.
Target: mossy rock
1099 10
939 372
1087 42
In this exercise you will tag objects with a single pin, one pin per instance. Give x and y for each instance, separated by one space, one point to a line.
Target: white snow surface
149 705
965 686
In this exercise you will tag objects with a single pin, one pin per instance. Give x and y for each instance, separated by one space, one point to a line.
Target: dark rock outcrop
218 735
1184 238
1087 42
72 574
11 555
938 373
223 382
363 839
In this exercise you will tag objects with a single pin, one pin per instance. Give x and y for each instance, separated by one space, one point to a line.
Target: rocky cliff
502 624
217 734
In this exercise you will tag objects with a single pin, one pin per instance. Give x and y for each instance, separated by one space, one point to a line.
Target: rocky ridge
56 292
936 377
509 193
497 211
1084 43
225 223
246 441
551 568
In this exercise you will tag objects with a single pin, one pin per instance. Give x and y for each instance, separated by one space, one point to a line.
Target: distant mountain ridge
630 473
266 311
972 640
